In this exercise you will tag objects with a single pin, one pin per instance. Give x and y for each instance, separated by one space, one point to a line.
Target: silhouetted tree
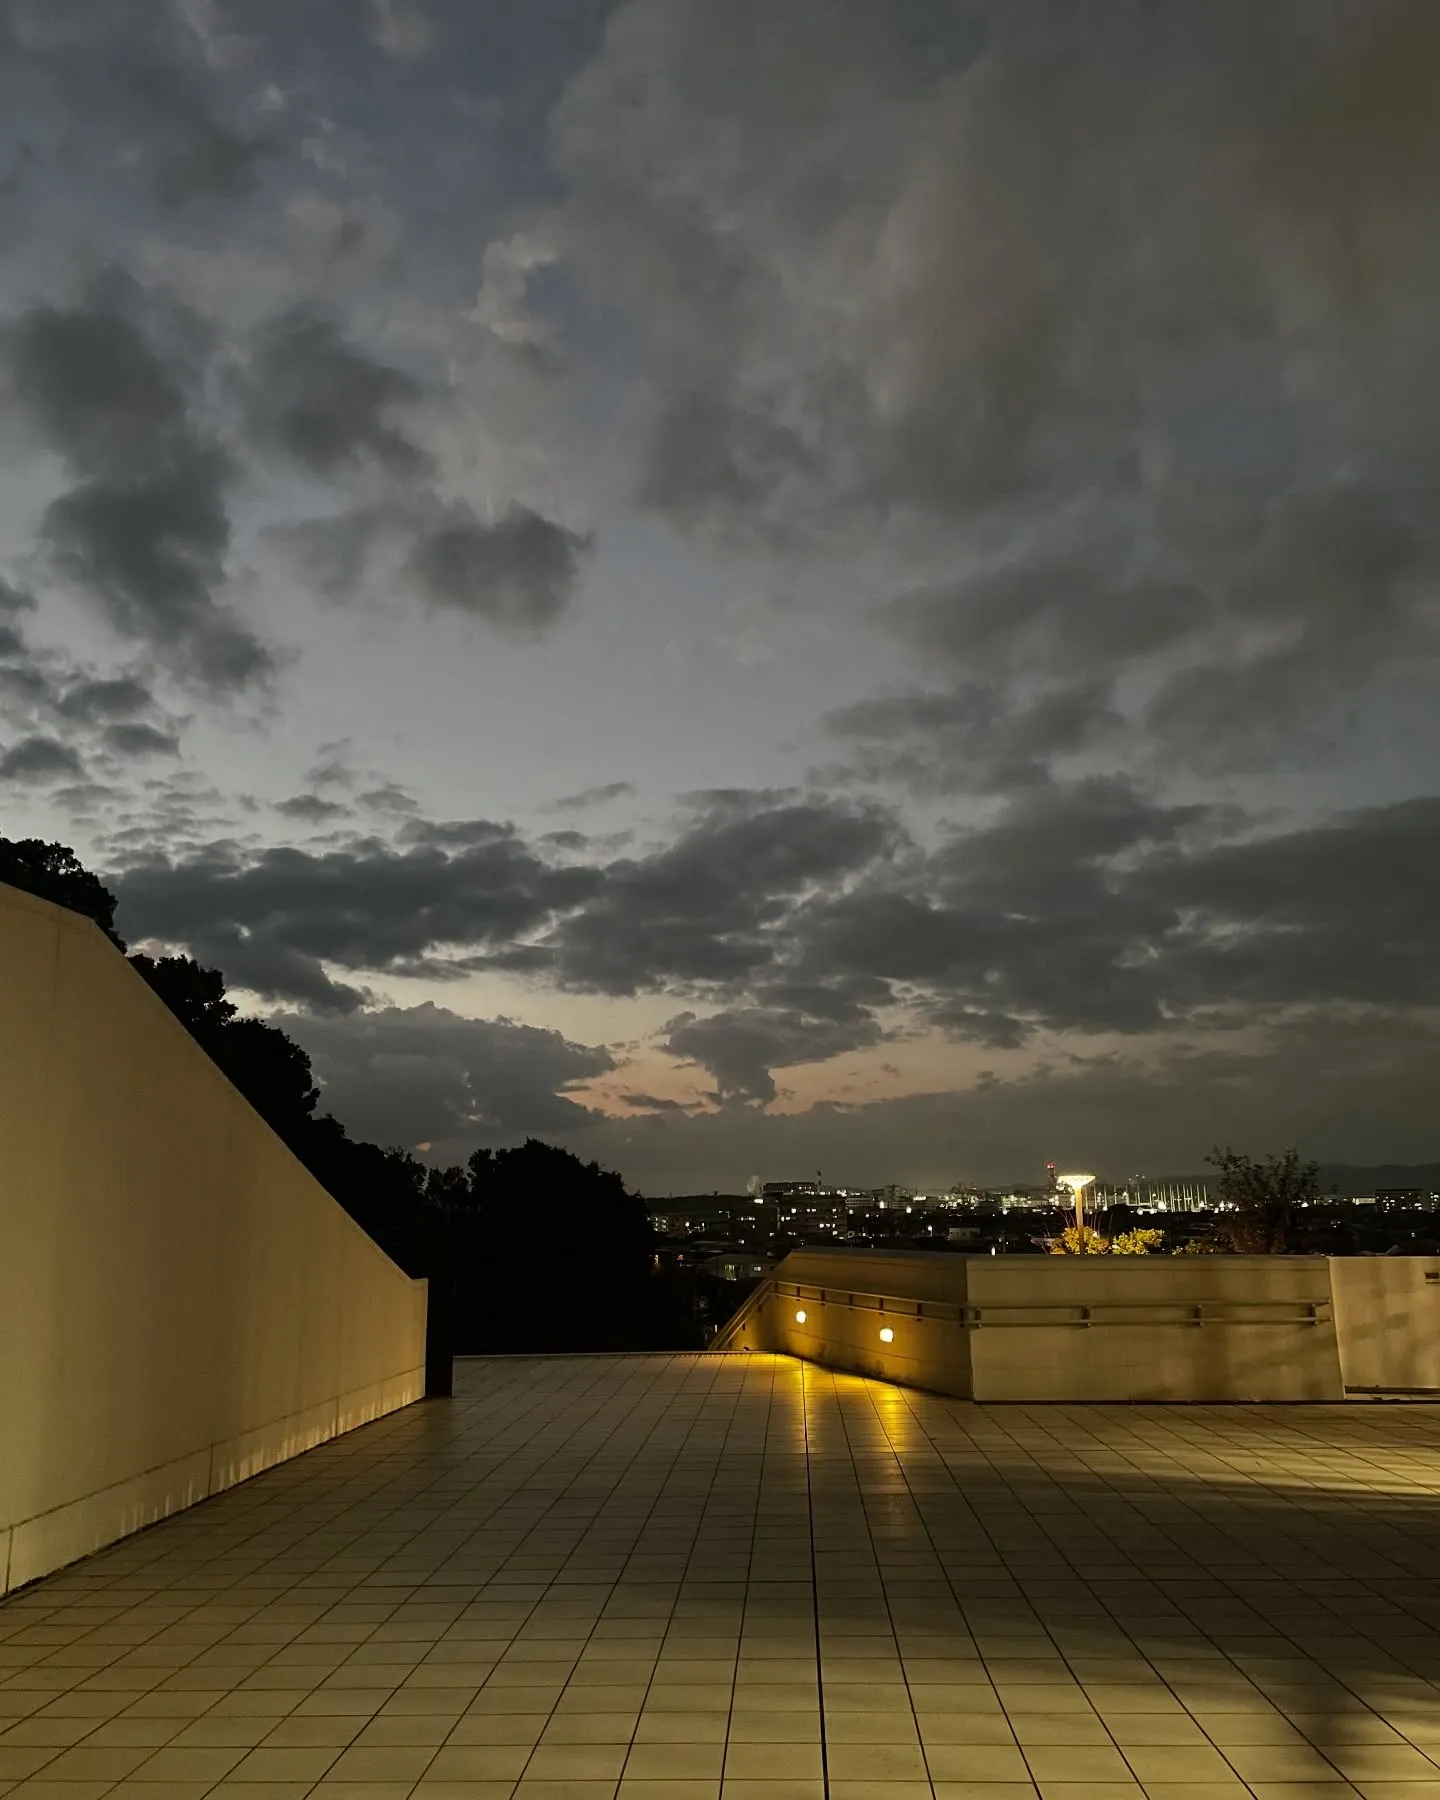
1266 1195
53 872
269 1068
196 995
554 1254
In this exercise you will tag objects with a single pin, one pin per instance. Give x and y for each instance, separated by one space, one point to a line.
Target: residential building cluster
734 1236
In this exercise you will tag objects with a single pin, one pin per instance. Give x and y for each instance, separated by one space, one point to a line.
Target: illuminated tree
1139 1242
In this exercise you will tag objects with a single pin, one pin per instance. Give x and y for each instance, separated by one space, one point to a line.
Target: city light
800 1318
887 1336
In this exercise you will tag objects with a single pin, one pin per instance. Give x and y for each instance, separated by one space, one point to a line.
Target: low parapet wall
181 1304
1249 1328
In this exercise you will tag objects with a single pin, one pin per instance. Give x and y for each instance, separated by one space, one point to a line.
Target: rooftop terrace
684 1577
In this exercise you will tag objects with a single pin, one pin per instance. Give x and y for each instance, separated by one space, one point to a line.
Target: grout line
804 1376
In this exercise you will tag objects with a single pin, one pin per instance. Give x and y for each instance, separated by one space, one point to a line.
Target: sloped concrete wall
181 1303
1231 1328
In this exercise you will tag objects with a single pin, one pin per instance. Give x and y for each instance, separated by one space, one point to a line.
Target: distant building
736 1265
691 1215
1406 1199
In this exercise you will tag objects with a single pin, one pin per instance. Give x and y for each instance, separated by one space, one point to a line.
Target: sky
747 586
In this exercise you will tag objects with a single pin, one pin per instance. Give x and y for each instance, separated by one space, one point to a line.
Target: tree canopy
53 872
1264 1195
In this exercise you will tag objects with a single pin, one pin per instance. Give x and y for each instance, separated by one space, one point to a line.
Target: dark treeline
548 1252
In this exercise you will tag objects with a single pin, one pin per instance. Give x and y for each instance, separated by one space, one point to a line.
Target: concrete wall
1387 1312
181 1304
1107 1328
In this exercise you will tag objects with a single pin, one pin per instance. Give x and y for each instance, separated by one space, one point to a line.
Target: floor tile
591 1577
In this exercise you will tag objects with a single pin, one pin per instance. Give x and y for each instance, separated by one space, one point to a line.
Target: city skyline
851 583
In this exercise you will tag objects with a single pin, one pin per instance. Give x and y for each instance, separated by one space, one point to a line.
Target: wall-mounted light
800 1318
887 1336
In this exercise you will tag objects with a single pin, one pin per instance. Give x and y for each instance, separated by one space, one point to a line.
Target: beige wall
1388 1312
1108 1328
181 1304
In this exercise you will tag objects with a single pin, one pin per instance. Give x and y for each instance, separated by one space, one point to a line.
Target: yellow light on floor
799 1318
887 1336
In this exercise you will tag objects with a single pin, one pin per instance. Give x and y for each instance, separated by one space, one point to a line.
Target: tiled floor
682 1577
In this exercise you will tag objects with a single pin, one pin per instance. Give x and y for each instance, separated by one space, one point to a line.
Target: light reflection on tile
743 1578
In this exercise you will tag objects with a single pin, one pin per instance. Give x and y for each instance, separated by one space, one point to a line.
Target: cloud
1106 316
144 534
424 1075
654 1103
593 796
797 931
66 712
518 571
105 700
1092 909
401 29
709 908
330 406
137 739
741 1046
122 74
500 309
312 809
275 919
1352 1089
40 759
973 737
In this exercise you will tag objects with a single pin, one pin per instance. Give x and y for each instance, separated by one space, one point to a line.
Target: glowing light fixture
800 1318
887 1336
1077 1185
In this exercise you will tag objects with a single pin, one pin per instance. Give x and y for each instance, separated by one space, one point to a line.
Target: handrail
750 1304
1190 1313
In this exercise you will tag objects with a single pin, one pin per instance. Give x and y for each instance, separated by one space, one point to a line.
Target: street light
1077 1185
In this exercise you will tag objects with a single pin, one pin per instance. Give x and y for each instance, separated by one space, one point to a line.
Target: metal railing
1023 1314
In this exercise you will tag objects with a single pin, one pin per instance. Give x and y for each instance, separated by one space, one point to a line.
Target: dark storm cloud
709 907
704 910
312 809
144 533
1091 909
518 571
274 919
40 759
810 929
741 1046
105 700
422 1074
323 401
137 739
